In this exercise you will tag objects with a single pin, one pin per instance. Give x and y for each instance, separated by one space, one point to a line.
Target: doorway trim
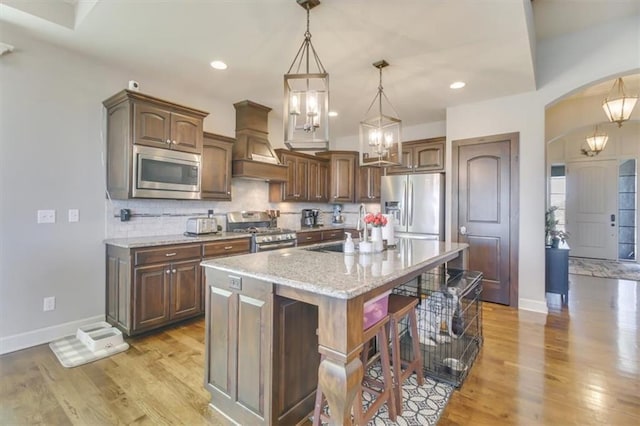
514 200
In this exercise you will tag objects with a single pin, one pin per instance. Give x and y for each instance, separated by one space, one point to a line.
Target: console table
557 271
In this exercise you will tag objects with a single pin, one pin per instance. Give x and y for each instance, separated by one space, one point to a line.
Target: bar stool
385 394
401 307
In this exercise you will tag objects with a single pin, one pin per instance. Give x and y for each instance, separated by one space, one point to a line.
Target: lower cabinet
317 236
145 291
261 351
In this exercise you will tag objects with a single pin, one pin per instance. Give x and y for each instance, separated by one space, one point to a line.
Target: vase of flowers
377 221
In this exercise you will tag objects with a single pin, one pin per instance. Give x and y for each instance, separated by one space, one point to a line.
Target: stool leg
417 351
386 372
397 366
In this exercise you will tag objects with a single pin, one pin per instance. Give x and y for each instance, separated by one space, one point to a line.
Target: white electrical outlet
46 216
74 215
49 304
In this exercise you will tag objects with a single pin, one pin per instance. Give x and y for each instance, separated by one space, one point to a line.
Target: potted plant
553 235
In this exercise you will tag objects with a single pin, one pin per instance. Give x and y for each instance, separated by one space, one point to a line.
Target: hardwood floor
578 365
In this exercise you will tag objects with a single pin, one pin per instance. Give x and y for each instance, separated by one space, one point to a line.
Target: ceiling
428 43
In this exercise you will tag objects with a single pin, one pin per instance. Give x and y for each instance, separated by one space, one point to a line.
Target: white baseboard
533 305
43 335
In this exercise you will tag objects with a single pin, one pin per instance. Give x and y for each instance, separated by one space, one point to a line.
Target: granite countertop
159 240
336 274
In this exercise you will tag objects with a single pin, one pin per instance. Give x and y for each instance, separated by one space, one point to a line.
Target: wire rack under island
449 322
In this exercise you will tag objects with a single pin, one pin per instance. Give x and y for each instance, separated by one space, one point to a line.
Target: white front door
592 208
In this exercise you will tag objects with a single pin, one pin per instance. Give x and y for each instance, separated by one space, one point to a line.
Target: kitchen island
270 315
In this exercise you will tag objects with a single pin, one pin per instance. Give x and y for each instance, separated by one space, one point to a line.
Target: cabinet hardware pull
228 247
174 142
173 271
170 254
168 141
168 271
229 192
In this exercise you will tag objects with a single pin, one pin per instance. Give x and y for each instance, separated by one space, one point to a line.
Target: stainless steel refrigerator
416 202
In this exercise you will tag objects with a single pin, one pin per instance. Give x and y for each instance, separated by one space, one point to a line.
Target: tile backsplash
168 217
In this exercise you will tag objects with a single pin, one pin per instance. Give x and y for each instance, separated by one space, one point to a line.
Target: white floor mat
71 352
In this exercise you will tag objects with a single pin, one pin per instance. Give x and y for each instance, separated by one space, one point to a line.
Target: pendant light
380 135
596 142
306 96
618 105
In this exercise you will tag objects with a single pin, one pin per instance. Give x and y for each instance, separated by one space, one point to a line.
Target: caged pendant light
380 135
306 96
618 105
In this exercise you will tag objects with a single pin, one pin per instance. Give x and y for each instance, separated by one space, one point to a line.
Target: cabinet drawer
309 238
226 247
336 234
166 254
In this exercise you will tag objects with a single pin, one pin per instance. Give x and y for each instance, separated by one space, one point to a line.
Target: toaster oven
202 225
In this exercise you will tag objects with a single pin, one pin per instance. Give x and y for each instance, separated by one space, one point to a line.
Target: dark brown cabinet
151 287
369 181
135 118
420 156
342 175
165 127
217 151
317 236
306 178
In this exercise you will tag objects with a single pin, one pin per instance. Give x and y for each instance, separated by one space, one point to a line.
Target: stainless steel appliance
264 237
165 173
310 218
202 225
416 202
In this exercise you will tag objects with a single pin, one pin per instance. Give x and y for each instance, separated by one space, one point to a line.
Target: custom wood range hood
253 156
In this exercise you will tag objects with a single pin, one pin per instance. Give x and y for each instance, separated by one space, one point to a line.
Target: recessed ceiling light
219 65
458 85
333 113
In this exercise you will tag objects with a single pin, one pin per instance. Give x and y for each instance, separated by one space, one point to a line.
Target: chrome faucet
362 211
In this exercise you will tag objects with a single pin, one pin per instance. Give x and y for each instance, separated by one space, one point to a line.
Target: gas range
264 236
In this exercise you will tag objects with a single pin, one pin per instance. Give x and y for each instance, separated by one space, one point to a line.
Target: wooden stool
399 308
379 329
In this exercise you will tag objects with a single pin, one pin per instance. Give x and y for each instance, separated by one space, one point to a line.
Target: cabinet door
369 181
216 170
333 235
151 296
407 162
313 184
186 133
289 186
343 179
323 181
302 170
152 125
306 238
186 290
429 157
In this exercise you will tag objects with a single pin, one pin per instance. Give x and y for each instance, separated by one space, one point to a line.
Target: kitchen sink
338 247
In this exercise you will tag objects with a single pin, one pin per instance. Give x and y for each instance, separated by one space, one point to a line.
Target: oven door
162 173
274 245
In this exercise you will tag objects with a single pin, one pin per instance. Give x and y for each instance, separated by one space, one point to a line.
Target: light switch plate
235 282
46 216
74 215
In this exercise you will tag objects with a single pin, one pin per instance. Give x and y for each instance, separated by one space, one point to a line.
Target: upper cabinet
216 167
342 175
134 118
369 181
306 178
426 155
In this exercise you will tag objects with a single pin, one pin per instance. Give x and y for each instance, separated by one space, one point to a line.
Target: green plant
551 230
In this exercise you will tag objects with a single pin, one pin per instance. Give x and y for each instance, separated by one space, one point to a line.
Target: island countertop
336 274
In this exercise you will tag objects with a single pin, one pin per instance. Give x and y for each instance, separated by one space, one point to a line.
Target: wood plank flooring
578 365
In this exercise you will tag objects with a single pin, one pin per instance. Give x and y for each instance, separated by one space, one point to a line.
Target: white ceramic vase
376 239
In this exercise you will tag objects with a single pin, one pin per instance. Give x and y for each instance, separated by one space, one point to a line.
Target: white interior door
592 208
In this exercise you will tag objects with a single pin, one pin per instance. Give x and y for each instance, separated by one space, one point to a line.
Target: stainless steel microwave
164 173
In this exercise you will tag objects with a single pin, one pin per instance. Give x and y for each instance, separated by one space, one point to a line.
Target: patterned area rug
422 405
604 268
71 352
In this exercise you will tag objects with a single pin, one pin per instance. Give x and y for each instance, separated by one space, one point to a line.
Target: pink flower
376 220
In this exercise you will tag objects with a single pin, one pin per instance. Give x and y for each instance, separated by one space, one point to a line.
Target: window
558 193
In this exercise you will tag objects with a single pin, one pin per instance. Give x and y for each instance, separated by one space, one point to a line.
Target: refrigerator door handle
403 211
410 213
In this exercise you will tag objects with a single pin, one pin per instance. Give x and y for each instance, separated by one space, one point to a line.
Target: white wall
563 65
